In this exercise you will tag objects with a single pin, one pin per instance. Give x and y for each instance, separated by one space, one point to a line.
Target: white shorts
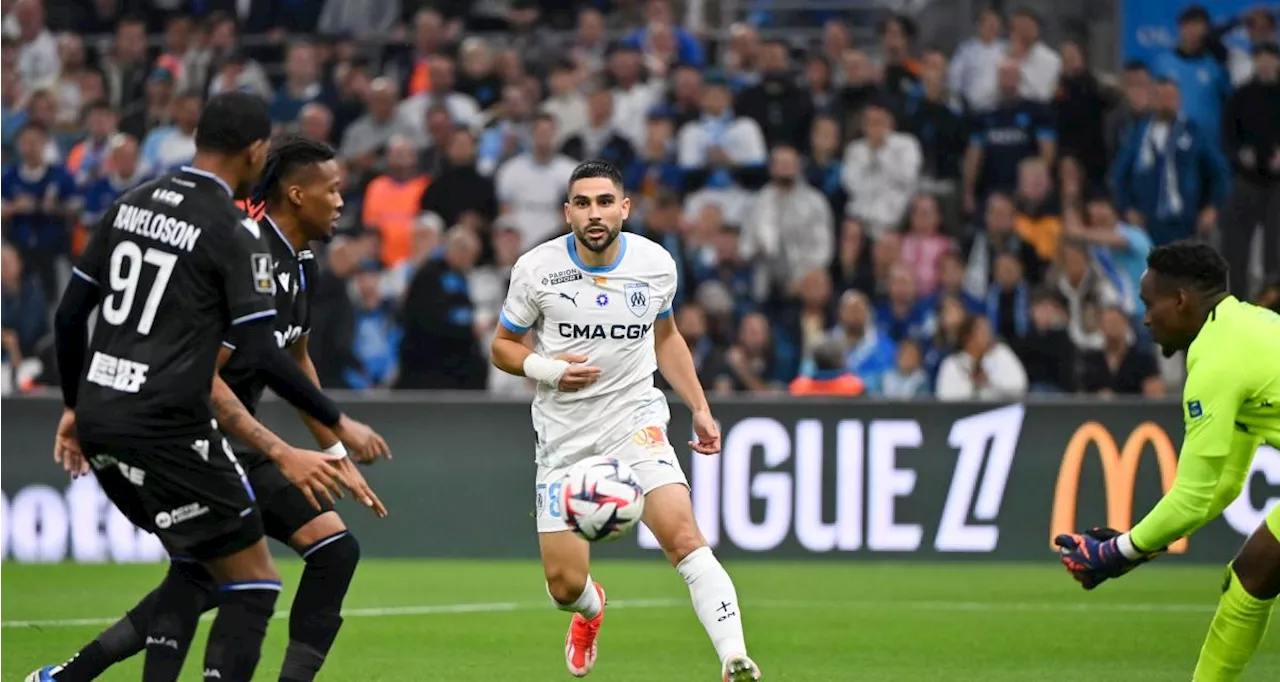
647 451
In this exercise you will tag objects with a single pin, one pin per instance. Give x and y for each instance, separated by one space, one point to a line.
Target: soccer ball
600 499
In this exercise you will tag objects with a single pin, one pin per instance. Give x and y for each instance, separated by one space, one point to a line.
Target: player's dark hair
1191 264
595 168
232 122
287 156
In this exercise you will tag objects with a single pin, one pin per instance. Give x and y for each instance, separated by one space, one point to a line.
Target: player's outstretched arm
325 437
676 364
71 338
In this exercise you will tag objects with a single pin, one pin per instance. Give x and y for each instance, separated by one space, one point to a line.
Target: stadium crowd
884 220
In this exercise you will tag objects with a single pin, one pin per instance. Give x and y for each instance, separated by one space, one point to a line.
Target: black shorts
284 508
189 492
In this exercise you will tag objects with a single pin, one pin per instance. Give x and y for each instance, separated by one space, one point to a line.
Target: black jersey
294 272
178 264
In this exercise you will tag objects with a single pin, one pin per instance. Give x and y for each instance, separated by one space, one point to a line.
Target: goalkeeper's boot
44 674
580 641
739 668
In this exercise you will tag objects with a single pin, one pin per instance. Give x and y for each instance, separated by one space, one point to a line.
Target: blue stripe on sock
318 544
265 585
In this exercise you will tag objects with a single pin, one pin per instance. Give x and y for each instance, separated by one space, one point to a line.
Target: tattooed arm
234 418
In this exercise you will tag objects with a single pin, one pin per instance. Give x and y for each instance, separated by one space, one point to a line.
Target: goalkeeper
1231 405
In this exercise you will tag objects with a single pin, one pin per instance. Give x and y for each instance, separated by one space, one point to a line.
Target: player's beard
603 244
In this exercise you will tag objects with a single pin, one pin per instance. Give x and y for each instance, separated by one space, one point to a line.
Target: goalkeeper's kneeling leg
1244 610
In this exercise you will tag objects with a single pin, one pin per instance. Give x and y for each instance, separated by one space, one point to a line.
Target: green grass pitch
464 621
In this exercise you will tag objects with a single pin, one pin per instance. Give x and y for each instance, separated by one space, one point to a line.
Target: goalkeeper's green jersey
1230 405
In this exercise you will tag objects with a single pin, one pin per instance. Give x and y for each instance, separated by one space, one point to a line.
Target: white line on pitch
499 607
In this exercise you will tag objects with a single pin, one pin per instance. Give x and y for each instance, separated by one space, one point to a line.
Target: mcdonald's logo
1119 475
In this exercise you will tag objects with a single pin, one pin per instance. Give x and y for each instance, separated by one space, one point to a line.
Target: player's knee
339 553
682 543
1257 566
564 586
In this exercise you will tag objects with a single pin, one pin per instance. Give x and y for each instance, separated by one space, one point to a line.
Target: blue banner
1149 27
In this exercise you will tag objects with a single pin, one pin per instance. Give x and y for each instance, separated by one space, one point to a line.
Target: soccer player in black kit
300 190
176 268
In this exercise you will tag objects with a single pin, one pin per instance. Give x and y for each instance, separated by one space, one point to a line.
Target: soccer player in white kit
600 304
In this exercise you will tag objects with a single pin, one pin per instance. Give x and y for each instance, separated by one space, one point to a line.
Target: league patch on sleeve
1194 410
262 282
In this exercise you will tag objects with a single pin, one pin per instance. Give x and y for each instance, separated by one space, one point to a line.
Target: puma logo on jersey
572 299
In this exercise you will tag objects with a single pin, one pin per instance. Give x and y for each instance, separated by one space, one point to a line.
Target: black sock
235 642
126 637
176 609
316 616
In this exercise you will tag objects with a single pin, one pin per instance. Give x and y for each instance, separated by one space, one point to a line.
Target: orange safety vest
844 384
391 206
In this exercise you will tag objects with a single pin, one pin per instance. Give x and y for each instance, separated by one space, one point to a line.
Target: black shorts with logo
284 508
190 492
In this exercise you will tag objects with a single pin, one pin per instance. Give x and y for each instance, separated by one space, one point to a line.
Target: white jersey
604 313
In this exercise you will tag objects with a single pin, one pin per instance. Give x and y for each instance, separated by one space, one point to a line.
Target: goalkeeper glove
1098 554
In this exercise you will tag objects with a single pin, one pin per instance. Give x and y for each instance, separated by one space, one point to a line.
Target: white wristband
1125 544
544 370
336 449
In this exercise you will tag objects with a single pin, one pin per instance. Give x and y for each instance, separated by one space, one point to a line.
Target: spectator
155 109
829 377
26 311
1120 367
722 154
722 262
1270 296
861 87
633 97
1037 62
460 188
1046 351
529 38
949 316
974 65
881 172
1038 220
376 342
1000 236
479 77
940 127
984 369
1087 293
907 380
806 317
1079 108
1167 170
566 102
1260 28
740 59
1016 129
789 228
183 55
237 71
42 112
364 20
170 146
950 282
461 107
1253 145
88 159
1119 249
1196 72
852 269
38 62
440 349
531 187
750 364
924 243
662 225
439 130
507 130
1132 108
488 283
333 323
684 101
659 18
900 73
315 122
369 134
415 67
39 198
599 139
426 245
656 168
126 172
835 40
691 320
1008 304
869 352
781 109
67 86
824 169
392 201
820 85
302 84
590 45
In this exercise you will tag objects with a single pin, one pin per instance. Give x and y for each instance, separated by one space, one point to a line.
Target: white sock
587 603
715 601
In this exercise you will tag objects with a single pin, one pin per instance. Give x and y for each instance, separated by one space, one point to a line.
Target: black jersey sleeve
92 266
310 275
255 340
248 281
